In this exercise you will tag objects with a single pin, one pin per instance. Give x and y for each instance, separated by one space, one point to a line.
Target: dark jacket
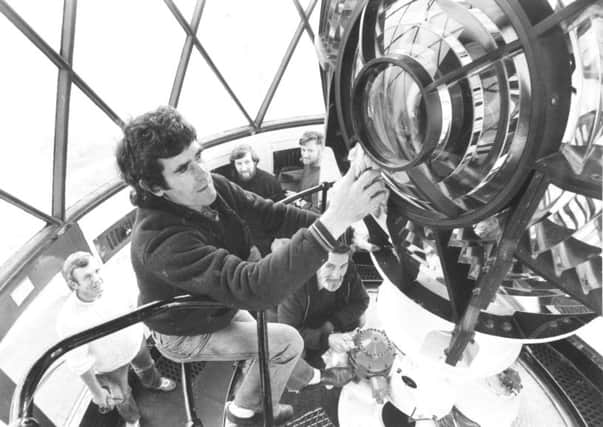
267 186
262 183
309 308
178 251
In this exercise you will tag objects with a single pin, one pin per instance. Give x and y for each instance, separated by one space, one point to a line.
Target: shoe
282 414
166 384
134 424
337 377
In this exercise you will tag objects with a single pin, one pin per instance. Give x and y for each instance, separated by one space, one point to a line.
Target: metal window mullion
57 60
186 55
29 209
207 58
303 16
282 67
61 127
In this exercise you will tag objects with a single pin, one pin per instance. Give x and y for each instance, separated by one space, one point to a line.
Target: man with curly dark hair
190 237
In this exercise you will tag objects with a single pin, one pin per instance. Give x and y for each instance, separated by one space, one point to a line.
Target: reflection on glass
396 115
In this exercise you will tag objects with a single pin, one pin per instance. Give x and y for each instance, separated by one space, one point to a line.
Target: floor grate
584 395
315 418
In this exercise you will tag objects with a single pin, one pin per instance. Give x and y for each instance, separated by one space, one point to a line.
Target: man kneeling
329 306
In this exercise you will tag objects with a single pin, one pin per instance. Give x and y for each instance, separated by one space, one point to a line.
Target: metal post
192 420
264 372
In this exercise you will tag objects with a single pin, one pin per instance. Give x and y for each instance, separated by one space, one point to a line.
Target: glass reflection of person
190 237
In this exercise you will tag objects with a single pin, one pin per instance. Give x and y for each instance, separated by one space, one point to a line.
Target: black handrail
323 186
22 404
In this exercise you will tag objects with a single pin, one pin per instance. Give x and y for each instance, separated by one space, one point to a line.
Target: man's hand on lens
352 199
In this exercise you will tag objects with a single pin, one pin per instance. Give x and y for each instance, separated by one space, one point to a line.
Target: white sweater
104 354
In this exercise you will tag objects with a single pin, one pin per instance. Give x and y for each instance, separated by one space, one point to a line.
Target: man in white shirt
103 364
319 166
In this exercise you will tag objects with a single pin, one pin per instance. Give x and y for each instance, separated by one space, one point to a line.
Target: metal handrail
323 186
21 413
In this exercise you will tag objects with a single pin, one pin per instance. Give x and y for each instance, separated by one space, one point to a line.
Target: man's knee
285 341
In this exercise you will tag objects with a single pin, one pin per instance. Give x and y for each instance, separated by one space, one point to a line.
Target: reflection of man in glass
330 305
103 364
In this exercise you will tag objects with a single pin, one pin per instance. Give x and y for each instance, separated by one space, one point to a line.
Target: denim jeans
238 341
116 382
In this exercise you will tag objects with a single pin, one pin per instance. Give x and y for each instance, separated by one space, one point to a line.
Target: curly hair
155 135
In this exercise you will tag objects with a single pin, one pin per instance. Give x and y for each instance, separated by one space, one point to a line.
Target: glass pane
90 152
300 91
128 52
45 17
205 102
27 111
232 34
16 228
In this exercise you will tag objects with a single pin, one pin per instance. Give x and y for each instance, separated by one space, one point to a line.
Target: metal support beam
186 54
494 272
282 67
187 28
29 209
304 18
61 125
57 60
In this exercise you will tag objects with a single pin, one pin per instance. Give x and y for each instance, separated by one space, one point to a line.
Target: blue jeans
116 382
238 341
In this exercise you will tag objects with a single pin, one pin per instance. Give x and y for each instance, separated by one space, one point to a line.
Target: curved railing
21 413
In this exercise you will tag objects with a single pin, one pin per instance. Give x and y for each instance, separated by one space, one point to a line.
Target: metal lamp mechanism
484 118
372 359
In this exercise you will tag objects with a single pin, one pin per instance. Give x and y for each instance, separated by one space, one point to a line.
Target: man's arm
273 218
100 395
291 312
181 257
346 318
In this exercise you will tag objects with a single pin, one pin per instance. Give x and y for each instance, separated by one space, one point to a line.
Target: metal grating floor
171 369
315 418
584 395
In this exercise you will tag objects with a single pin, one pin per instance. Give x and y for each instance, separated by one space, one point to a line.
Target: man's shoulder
266 175
225 186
